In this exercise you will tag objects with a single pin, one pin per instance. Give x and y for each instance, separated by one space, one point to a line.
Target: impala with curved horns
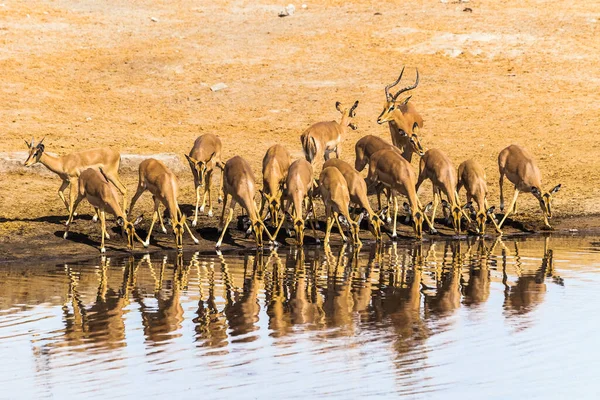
404 120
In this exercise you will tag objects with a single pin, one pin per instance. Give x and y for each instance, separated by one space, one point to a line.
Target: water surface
500 319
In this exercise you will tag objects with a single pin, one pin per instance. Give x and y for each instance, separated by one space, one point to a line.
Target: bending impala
393 171
275 169
155 177
94 186
239 183
204 156
299 186
325 137
357 189
472 176
336 199
70 166
518 165
404 120
437 167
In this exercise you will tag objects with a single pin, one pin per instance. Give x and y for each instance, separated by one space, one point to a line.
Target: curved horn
408 87
31 142
391 85
41 140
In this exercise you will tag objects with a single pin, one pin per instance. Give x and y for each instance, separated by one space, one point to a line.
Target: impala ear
41 141
490 210
445 204
405 101
555 189
120 221
536 192
353 126
211 156
138 219
406 207
182 219
428 206
338 106
469 205
190 159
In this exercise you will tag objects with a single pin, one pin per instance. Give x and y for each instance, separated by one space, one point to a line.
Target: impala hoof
196 241
107 236
95 218
210 213
218 245
74 214
194 223
65 235
202 209
219 253
317 226
146 244
433 231
102 250
164 230
318 241
388 220
394 235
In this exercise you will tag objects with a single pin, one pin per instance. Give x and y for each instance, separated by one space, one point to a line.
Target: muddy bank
43 240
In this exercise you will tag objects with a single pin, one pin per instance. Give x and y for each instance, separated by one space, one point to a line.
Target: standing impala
155 177
70 166
325 137
299 186
274 169
336 199
357 189
239 183
94 186
393 171
518 165
404 120
472 176
204 156
437 167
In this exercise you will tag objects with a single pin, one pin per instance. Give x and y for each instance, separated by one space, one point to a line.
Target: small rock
154 19
573 230
304 6
88 119
444 1
218 86
291 9
467 9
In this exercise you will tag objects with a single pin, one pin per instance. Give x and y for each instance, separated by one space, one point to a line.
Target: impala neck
54 164
345 120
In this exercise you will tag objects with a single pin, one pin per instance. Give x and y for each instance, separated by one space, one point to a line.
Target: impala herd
93 175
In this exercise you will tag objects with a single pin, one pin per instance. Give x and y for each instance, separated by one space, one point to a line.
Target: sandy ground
136 76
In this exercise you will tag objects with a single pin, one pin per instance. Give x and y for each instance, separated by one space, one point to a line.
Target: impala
158 179
70 166
393 171
239 183
472 176
357 189
274 169
325 137
299 186
518 165
404 120
93 185
204 156
336 198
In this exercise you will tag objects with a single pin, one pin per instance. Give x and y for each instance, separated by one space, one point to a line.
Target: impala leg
501 184
514 200
61 194
187 228
425 217
160 216
394 233
329 224
103 228
74 187
195 221
208 182
229 217
221 222
337 221
436 199
154 218
314 213
71 213
492 217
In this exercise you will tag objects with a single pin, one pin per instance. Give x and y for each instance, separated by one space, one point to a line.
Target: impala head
418 216
347 114
178 227
273 200
298 223
258 227
128 229
35 152
392 103
456 212
200 166
545 199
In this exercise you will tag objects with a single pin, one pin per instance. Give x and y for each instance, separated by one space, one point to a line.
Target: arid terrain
136 76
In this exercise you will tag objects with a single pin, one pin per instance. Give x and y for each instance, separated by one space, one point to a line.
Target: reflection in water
403 295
